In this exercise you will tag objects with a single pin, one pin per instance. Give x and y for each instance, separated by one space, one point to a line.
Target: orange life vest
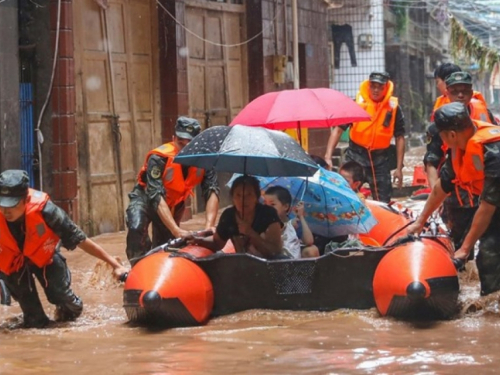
478 110
177 188
375 134
440 101
40 241
468 165
443 99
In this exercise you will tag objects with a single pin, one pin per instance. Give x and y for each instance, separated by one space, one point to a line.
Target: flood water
251 342
256 341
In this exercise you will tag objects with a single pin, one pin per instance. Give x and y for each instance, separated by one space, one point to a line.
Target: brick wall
277 40
64 148
173 74
173 68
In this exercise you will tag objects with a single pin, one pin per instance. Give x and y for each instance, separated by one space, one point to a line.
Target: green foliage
464 44
400 10
417 109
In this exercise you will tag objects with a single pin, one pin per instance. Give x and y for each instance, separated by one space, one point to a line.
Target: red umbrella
302 108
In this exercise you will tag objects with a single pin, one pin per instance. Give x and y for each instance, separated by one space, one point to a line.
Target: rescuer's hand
461 254
119 273
398 177
181 233
415 228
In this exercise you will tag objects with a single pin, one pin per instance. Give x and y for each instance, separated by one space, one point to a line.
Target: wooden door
216 74
116 111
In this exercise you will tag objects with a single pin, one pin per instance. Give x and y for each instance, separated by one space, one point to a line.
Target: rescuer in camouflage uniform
159 196
32 230
474 165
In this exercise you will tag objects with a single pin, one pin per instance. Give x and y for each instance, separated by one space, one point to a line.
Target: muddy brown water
251 342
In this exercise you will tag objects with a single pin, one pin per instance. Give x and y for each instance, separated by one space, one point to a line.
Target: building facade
407 40
124 70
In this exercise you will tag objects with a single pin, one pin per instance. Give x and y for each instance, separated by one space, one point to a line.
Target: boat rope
397 231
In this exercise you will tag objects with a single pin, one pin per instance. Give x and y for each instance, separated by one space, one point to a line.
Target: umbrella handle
299 133
304 191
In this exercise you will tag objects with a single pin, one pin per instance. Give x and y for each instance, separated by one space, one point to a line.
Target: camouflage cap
452 116
457 78
187 128
380 77
14 184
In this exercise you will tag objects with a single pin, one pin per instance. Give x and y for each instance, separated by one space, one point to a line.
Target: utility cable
215 43
38 131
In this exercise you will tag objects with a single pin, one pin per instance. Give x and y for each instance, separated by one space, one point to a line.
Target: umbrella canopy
332 208
303 108
247 150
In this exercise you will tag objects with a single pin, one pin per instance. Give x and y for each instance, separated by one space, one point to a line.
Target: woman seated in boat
253 227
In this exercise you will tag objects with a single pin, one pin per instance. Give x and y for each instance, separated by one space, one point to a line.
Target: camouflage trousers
55 280
458 221
488 257
139 216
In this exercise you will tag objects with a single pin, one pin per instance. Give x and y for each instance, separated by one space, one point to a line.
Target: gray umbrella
248 150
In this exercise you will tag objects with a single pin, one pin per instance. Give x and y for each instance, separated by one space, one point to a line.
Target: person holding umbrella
161 191
298 240
252 151
329 207
370 140
253 227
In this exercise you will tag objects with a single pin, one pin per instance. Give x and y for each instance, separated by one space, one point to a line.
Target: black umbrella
248 150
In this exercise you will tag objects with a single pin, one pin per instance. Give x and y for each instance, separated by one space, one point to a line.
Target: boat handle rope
355 253
397 231
170 245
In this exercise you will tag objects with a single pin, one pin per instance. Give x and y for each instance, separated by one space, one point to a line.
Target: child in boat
281 199
320 242
354 174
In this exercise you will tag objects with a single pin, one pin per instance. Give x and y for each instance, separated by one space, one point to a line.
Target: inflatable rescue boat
179 285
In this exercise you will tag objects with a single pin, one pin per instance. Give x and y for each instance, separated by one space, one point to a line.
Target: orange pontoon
402 276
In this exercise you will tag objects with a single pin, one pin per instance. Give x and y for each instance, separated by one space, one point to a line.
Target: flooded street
257 341
93 91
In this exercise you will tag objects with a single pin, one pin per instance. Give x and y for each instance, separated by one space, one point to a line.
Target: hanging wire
215 43
38 5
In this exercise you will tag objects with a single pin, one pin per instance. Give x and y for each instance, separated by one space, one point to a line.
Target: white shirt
291 243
